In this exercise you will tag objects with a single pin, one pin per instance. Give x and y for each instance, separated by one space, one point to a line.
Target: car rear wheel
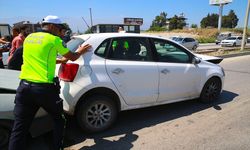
5 131
96 114
211 90
194 47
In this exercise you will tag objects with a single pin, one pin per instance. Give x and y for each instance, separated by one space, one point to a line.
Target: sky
111 11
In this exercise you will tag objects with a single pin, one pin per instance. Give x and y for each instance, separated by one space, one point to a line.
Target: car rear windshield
73 44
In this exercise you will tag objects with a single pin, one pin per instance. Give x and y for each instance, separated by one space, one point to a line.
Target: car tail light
67 72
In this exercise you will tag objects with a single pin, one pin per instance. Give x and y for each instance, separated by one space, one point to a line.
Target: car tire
211 90
234 45
96 114
5 131
194 47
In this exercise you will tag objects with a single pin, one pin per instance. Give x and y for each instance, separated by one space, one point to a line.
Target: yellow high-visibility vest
39 57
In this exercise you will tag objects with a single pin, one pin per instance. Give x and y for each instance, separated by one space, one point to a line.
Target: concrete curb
235 55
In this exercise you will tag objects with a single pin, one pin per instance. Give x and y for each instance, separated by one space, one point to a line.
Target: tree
177 22
230 20
159 21
210 21
194 26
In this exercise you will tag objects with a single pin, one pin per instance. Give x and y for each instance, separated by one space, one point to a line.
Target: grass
222 52
204 35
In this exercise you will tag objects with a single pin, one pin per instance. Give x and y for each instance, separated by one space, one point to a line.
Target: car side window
189 40
101 50
170 52
132 48
186 40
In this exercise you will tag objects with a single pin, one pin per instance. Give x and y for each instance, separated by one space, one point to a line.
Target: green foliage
177 23
194 26
206 39
210 21
159 22
156 28
228 21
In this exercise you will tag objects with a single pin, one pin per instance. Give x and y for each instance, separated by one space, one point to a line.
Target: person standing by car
38 86
18 41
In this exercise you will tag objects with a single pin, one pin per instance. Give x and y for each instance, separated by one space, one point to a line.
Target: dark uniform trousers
29 98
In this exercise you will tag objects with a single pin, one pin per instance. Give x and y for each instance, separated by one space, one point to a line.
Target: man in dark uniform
37 86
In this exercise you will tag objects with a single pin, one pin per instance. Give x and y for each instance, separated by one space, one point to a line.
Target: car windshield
231 38
174 38
179 39
73 44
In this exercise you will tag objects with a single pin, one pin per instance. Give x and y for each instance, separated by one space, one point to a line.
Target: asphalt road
190 125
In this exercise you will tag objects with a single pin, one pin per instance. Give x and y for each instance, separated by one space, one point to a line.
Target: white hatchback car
130 71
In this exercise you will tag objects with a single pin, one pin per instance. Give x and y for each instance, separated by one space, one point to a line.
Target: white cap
52 19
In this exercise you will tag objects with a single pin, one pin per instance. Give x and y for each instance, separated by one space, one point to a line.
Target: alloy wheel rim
212 90
98 115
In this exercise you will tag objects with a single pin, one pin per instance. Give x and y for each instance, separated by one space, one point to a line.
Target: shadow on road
133 120
127 123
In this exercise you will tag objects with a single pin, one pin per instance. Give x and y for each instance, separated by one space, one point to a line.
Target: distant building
31 26
5 29
107 28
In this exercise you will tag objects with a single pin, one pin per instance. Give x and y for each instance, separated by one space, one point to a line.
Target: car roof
113 35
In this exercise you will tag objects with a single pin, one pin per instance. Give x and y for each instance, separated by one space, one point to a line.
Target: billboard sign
133 21
217 2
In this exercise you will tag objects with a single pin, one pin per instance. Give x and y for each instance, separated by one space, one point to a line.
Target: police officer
37 88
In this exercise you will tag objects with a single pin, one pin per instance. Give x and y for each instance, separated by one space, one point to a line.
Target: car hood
9 79
228 40
212 59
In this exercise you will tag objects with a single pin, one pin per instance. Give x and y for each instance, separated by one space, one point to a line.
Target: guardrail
225 49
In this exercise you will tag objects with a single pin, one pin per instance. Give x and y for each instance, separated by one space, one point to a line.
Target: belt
25 82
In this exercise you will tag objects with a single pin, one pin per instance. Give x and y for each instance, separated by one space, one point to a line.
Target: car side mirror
196 60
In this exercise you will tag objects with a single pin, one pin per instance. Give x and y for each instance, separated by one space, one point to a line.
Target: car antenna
87 25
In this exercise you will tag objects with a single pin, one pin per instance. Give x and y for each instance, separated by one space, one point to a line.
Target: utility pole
91 21
245 27
220 3
220 17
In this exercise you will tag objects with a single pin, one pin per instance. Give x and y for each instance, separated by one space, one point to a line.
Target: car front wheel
211 90
96 114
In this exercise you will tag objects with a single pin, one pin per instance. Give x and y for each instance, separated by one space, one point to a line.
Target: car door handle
117 71
165 71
